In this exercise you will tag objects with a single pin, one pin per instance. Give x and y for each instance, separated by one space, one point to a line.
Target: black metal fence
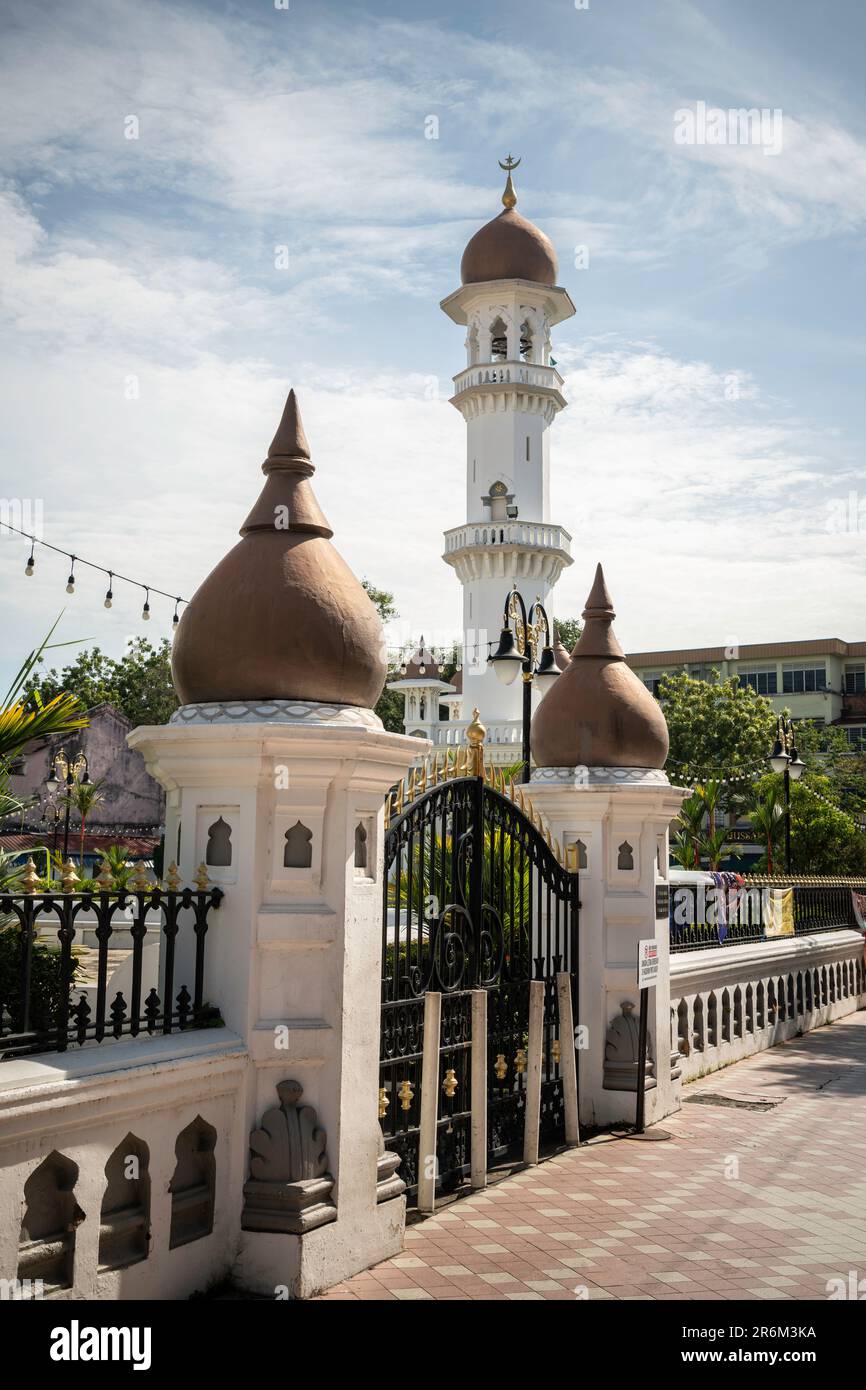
704 915
45 1002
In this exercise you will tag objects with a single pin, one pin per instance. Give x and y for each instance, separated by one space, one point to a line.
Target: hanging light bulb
29 567
109 596
70 583
145 612
175 620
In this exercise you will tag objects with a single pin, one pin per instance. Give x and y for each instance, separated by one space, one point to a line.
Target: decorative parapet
289 1188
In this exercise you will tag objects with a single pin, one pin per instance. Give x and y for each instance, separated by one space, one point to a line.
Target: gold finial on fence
406 1095
556 1051
201 878
449 1084
411 789
501 1066
140 880
384 1102
172 878
475 735
30 878
105 878
68 877
520 1061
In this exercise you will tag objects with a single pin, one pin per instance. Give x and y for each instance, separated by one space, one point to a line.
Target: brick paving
753 1204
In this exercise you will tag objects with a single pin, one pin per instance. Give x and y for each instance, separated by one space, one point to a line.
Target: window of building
855 679
765 682
797 679
856 737
652 684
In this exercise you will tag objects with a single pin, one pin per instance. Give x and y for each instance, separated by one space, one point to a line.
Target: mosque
509 394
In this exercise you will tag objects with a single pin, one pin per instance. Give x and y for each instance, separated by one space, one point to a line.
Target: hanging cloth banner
779 912
858 901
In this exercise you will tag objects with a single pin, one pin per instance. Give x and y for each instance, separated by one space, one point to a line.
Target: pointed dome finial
290 440
599 604
598 638
509 197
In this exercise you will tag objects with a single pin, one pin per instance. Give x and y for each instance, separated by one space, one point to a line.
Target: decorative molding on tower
277 712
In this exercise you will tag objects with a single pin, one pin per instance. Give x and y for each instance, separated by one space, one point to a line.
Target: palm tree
118 864
85 797
21 721
709 793
766 815
713 845
691 819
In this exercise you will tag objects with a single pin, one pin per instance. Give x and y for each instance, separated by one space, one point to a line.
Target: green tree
824 838
568 630
389 705
718 729
139 684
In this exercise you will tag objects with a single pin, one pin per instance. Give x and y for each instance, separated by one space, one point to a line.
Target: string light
103 569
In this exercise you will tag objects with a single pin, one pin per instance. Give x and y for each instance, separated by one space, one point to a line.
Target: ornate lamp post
786 760
65 773
525 645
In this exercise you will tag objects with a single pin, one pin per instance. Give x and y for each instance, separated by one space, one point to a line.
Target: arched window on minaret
526 341
498 340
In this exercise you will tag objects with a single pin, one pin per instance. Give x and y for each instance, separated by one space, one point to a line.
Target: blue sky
714 369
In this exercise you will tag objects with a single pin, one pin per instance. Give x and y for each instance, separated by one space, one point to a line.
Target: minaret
509 394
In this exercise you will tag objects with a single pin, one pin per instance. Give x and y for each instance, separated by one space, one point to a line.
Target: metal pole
639 1125
66 821
787 821
527 720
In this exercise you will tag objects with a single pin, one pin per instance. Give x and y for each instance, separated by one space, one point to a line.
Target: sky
202 205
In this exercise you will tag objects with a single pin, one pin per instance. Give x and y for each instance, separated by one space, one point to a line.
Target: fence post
478 1142
429 1101
534 1049
568 1058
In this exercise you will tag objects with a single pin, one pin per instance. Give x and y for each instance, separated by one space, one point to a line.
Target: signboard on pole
647 963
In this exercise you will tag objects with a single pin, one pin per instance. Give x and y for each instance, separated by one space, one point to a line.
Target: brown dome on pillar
599 713
281 617
510 247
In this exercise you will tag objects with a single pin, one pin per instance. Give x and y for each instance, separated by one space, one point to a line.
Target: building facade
822 681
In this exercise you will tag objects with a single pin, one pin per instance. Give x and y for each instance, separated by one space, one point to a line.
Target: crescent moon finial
509 197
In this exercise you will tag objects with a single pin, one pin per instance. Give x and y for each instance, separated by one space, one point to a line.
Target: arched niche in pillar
217 836
298 849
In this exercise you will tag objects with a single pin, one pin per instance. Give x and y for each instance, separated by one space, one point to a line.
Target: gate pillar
600 742
614 823
276 770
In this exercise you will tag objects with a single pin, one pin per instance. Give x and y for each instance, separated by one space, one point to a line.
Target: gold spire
509 197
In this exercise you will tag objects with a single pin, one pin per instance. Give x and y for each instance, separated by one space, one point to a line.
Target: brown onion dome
281 617
599 713
509 248
560 655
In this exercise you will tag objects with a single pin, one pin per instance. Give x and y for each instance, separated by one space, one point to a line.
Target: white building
509 393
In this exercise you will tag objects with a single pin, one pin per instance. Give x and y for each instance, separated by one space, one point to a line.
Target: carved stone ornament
388 1183
289 1188
621 1053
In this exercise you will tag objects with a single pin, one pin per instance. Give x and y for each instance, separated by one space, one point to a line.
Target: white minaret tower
509 394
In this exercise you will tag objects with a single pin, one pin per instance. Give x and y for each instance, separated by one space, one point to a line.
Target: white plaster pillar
606 809
293 956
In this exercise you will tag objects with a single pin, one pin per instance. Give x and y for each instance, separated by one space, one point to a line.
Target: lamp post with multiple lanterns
67 772
785 760
525 645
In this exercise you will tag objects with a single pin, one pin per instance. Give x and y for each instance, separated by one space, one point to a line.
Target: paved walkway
742 1203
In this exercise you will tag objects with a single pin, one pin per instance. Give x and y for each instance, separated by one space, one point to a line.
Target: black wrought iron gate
475 896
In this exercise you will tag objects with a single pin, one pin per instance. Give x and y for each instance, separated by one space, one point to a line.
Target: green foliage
119 867
46 993
824 839
718 729
139 684
569 630
383 601
699 837
767 817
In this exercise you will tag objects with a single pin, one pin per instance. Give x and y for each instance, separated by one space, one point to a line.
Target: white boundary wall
729 1002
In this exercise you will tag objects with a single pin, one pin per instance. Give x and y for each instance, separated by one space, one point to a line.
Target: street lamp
66 773
786 761
521 649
